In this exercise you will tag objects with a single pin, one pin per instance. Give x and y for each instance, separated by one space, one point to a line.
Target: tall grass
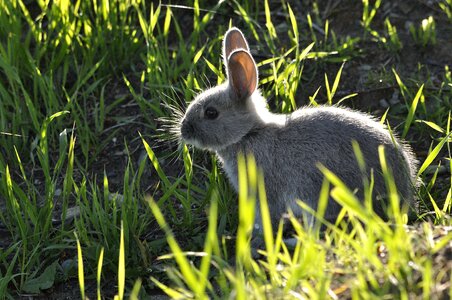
360 256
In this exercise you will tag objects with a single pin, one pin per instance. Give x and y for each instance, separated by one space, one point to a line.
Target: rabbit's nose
187 129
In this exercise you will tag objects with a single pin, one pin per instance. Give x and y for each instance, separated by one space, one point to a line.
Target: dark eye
211 113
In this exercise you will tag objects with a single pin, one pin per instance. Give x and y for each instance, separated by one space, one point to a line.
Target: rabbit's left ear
242 74
233 40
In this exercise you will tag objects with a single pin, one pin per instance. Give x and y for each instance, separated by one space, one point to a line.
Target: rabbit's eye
211 113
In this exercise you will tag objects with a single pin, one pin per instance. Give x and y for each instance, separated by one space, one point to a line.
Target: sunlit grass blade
266 218
336 81
391 188
121 266
448 202
156 163
438 212
432 155
312 98
211 246
169 291
384 116
81 272
99 272
305 51
268 21
136 290
247 181
330 92
411 111
403 88
443 241
293 22
369 13
432 125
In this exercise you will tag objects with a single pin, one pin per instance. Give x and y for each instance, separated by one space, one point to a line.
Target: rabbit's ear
242 73
233 40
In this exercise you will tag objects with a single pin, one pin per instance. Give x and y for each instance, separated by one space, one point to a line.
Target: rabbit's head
223 115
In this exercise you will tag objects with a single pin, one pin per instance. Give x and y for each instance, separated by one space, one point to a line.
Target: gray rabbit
233 118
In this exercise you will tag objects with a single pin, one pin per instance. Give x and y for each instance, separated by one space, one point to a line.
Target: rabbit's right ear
233 40
242 74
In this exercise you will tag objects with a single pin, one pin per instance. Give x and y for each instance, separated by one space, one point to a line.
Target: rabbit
233 118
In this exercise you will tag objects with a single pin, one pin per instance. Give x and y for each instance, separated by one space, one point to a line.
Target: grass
84 87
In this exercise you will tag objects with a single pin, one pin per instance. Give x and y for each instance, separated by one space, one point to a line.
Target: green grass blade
172 293
293 22
448 202
81 273
266 219
121 266
384 116
99 272
268 21
432 155
305 52
403 88
247 198
328 90
135 290
391 188
211 244
411 111
156 163
336 80
438 212
432 125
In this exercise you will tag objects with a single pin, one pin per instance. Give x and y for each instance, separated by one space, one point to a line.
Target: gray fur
289 147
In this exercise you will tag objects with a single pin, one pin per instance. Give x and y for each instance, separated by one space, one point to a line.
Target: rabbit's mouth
199 144
192 142
187 133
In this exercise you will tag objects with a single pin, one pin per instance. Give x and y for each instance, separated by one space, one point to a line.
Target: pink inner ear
241 87
242 73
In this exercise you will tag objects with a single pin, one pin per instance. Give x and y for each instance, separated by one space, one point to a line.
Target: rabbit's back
290 154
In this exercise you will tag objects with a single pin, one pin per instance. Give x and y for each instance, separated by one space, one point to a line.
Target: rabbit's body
233 118
320 135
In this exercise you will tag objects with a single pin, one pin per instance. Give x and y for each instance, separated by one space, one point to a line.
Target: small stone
405 7
72 212
394 98
384 103
116 197
67 264
408 24
365 68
